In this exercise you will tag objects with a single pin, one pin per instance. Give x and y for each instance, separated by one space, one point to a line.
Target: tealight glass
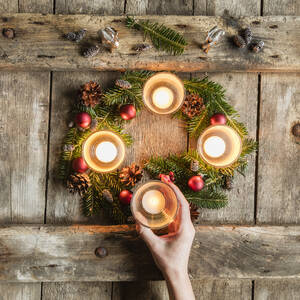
103 151
163 93
224 137
165 204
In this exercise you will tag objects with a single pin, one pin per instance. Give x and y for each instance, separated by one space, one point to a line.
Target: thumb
147 235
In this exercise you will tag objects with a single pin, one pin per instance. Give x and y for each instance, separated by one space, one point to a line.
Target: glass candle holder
154 204
163 93
103 151
219 146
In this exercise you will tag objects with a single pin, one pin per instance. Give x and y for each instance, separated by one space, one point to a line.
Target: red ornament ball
218 119
125 197
79 165
127 112
83 120
196 183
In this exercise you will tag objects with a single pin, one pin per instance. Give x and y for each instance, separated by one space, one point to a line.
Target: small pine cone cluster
246 39
193 105
91 51
76 36
107 195
228 183
123 84
194 165
194 212
90 94
78 183
131 175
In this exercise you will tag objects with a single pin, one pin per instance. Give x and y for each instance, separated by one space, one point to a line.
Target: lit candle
103 151
163 93
163 97
214 146
219 146
153 202
106 152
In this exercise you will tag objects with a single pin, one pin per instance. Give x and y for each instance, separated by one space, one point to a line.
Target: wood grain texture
164 7
241 92
23 146
20 291
206 289
282 8
279 153
63 207
227 7
99 7
36 6
138 290
50 253
275 289
77 291
40 44
222 289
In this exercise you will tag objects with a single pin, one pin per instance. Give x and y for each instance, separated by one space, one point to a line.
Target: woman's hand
171 252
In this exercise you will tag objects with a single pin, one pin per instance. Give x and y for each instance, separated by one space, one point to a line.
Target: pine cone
91 51
94 124
131 175
228 184
90 94
78 183
107 196
194 165
193 105
194 212
247 35
239 41
123 84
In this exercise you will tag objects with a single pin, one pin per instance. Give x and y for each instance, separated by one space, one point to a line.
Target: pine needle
162 37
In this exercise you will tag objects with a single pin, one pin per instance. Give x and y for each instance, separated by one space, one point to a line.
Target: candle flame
163 97
214 146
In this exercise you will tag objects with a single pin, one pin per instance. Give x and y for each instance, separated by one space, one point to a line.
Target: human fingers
147 235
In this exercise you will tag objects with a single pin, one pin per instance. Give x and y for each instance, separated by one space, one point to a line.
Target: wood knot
8 33
101 252
273 26
296 130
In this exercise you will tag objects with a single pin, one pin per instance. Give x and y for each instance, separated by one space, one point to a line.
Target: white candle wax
214 146
163 97
153 202
106 152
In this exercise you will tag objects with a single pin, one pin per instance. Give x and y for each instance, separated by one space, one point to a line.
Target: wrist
174 275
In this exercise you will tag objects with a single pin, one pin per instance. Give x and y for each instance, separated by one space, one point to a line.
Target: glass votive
103 151
154 204
219 146
163 93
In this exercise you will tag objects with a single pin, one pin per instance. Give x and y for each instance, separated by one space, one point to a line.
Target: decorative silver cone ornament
109 38
213 36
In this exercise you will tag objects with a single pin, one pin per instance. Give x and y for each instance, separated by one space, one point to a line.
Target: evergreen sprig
137 77
161 36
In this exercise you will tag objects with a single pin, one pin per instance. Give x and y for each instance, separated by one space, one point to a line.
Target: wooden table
261 217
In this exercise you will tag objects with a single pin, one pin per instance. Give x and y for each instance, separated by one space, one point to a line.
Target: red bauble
125 197
218 119
79 165
196 183
127 112
83 120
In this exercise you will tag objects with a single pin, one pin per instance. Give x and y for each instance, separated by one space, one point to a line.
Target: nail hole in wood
101 252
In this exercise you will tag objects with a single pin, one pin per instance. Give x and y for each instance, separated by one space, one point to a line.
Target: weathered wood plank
20 291
39 45
222 289
275 289
206 289
77 291
63 207
50 253
227 7
278 7
240 209
23 145
279 152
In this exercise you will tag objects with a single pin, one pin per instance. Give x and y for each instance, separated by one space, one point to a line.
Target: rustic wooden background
33 109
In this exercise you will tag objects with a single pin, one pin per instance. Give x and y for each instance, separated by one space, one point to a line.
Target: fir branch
137 77
161 36
207 199
119 96
198 123
249 145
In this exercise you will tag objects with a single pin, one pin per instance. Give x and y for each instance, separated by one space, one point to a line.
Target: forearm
179 286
